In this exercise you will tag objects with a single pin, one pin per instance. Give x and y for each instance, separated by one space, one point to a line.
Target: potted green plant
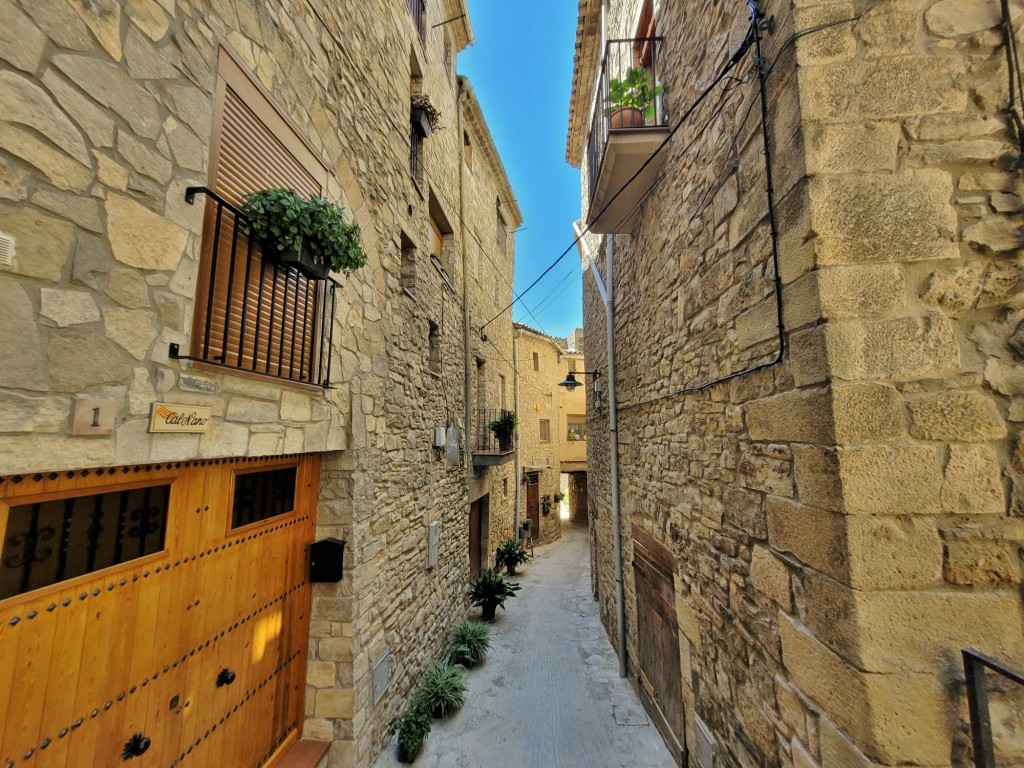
503 428
525 525
412 727
510 553
490 590
441 689
470 642
558 497
631 99
310 235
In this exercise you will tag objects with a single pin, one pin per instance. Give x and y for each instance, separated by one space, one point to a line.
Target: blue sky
521 70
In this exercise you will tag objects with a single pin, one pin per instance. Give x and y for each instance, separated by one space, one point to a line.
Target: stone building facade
111 112
552 431
822 498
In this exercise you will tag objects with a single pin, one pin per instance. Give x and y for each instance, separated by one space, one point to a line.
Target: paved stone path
549 693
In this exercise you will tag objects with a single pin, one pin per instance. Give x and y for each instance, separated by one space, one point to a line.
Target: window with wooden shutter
252 314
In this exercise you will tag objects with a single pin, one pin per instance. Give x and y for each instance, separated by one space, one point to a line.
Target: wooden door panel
137 647
657 628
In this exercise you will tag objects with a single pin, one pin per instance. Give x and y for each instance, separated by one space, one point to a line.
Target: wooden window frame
544 438
232 75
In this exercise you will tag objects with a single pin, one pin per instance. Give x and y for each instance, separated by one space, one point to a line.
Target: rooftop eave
461 29
584 71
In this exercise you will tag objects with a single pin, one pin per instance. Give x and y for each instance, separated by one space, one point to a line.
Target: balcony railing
975 664
627 98
255 315
486 441
418 9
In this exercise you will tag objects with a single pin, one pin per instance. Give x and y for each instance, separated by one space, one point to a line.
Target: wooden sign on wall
168 417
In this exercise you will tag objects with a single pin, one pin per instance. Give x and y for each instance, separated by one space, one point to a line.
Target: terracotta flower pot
627 118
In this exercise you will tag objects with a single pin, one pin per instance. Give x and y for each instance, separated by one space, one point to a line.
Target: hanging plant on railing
310 235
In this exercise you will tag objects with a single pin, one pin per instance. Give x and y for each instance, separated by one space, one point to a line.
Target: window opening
434 340
500 227
536 361
576 428
545 430
262 495
50 541
252 314
408 257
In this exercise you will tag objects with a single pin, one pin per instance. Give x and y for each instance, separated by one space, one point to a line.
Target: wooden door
533 505
164 606
658 637
475 521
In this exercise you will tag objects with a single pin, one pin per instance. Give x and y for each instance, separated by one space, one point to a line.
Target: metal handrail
975 664
621 56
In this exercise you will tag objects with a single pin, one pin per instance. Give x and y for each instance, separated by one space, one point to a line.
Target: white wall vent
705 745
381 674
6 249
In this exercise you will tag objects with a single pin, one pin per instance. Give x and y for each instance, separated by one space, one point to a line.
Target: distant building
552 429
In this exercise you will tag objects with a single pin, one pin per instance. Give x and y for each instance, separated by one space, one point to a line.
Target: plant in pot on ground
490 590
311 235
503 429
510 553
442 688
631 99
470 643
412 727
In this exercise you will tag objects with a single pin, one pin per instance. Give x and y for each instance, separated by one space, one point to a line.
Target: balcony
252 315
629 124
418 9
488 452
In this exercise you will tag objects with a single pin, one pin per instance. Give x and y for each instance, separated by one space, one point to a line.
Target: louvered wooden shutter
251 314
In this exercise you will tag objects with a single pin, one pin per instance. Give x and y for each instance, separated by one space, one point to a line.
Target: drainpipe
608 298
468 378
519 457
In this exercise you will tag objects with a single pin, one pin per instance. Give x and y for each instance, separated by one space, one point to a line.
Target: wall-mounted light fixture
570 382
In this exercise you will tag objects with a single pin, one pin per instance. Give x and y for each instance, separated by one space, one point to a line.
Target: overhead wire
730 64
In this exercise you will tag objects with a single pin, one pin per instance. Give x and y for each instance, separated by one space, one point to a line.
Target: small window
434 340
436 238
501 389
545 430
408 257
415 156
262 495
572 366
467 150
536 361
576 428
51 541
501 227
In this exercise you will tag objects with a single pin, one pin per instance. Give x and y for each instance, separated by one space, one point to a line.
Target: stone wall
107 119
540 397
844 522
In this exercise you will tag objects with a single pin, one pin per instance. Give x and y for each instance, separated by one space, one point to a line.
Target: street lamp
570 382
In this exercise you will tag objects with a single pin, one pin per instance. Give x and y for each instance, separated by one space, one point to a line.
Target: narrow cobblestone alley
548 694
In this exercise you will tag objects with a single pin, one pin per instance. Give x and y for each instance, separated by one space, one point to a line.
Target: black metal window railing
47 542
629 95
416 156
253 314
418 9
487 440
975 664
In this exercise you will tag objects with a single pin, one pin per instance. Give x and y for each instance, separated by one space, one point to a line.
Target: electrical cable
773 225
733 61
